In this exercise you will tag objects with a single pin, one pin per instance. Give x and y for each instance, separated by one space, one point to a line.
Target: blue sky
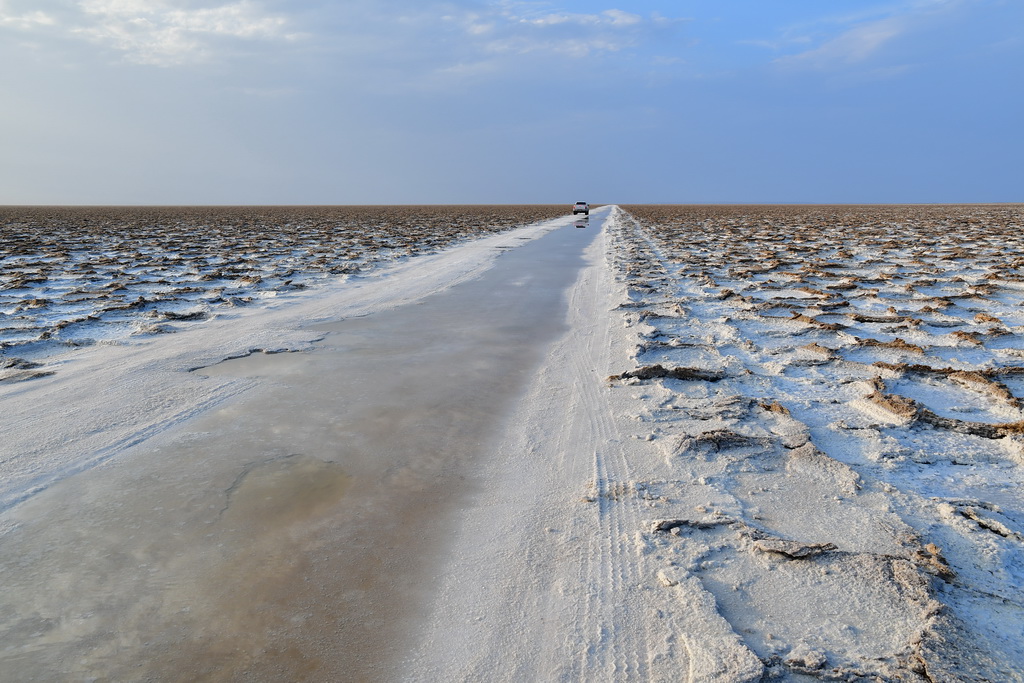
416 101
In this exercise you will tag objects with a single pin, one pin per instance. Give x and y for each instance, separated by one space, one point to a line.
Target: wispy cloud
405 38
852 39
523 28
153 32
11 18
854 45
611 17
473 42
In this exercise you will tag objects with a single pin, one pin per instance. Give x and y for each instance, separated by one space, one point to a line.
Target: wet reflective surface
293 534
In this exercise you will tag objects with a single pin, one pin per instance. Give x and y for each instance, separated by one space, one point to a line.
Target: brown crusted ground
250 231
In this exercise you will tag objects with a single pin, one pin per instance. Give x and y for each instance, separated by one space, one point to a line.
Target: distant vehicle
581 207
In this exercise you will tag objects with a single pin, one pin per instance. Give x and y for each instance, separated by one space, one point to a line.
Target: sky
477 101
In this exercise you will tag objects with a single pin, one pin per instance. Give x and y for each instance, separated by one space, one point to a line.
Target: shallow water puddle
293 534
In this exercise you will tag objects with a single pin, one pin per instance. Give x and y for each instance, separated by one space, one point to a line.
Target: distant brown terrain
72 275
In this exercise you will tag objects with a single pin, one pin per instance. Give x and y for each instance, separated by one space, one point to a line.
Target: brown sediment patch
865 318
969 337
17 364
68 323
984 515
719 440
25 282
19 370
670 524
911 410
729 295
896 344
673 312
34 303
801 317
191 315
815 347
917 368
982 429
986 385
929 558
775 407
792 549
900 406
661 372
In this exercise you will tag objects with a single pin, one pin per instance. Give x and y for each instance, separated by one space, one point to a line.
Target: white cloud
239 20
620 18
610 17
476 41
153 31
533 28
862 36
23 21
854 45
477 24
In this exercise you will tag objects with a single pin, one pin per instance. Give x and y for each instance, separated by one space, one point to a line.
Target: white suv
581 207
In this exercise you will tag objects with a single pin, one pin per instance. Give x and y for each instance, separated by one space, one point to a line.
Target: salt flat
761 443
848 485
749 474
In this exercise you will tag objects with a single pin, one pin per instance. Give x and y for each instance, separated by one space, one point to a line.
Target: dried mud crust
74 275
833 400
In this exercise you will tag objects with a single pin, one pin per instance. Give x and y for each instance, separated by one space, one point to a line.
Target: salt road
296 531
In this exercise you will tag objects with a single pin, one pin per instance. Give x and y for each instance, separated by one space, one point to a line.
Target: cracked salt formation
77 276
848 490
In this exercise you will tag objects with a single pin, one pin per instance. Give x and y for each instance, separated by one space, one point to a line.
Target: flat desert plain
766 443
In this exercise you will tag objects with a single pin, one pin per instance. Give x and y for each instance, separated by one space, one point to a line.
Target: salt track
698 485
